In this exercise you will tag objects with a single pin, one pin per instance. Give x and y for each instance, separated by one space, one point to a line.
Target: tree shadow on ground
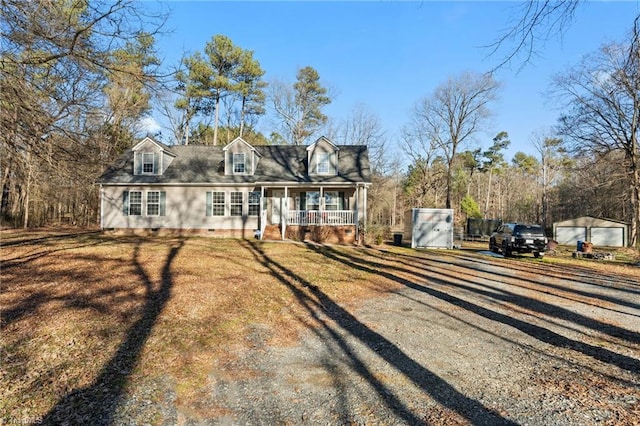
485 280
97 403
318 304
538 332
40 262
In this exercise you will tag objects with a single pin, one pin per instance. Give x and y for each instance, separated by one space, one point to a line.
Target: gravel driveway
469 339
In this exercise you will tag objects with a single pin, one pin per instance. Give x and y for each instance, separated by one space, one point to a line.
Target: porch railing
325 217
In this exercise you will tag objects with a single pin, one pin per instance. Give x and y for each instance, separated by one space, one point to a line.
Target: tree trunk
215 124
486 203
244 102
3 185
635 206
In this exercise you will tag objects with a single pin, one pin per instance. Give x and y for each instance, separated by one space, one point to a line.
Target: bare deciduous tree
451 117
536 23
602 104
57 60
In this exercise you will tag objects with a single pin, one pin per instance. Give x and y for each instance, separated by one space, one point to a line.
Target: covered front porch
321 213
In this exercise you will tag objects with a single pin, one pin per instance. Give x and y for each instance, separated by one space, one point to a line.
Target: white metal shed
429 228
600 232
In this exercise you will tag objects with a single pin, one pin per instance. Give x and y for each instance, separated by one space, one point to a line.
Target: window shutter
163 202
125 203
341 203
303 201
209 203
156 163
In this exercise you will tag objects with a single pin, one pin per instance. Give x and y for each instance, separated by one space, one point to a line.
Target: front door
277 205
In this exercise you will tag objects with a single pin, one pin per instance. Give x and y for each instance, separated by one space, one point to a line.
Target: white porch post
364 203
321 204
263 213
285 212
356 216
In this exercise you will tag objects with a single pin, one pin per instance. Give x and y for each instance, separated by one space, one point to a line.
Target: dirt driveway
469 339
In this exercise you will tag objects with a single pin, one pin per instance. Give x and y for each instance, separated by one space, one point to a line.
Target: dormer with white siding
151 158
322 157
240 158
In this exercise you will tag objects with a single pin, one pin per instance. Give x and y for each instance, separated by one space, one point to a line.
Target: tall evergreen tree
224 59
494 158
225 73
250 87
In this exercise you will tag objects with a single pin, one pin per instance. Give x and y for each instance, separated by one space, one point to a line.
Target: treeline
80 80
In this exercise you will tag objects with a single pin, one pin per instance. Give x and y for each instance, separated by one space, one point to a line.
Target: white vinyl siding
185 209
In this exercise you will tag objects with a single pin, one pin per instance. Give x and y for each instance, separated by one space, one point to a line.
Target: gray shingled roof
278 164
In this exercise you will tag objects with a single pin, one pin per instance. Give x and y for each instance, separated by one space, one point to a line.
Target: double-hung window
148 163
332 200
132 203
254 203
312 200
156 203
239 163
324 163
215 203
235 205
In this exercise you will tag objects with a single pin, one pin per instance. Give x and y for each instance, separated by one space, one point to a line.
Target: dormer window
324 163
148 163
239 163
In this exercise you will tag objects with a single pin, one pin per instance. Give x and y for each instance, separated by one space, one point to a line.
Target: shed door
432 230
612 237
570 235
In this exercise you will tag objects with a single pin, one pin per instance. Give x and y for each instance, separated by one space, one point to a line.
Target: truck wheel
506 251
537 254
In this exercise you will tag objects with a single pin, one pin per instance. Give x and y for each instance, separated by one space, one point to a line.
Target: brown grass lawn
87 317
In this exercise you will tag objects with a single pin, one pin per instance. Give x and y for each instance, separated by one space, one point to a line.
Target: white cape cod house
315 192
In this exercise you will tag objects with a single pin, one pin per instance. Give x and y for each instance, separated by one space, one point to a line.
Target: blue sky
388 55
